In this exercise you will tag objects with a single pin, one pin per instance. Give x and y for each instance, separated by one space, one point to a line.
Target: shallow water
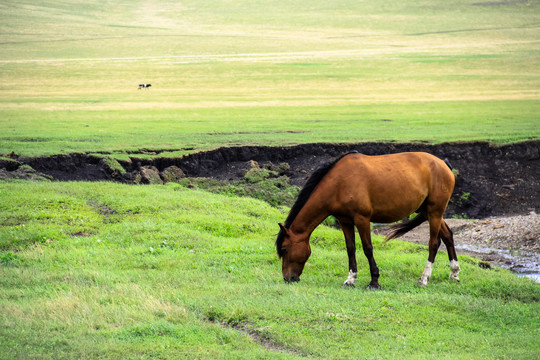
520 262
534 276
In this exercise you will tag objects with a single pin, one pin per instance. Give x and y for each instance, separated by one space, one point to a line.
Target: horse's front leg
364 230
348 231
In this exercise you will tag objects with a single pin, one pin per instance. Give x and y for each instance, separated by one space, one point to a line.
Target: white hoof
455 269
351 280
426 275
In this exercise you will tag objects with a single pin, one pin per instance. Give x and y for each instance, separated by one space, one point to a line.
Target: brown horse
358 189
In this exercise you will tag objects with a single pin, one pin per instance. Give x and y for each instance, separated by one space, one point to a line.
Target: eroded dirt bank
491 180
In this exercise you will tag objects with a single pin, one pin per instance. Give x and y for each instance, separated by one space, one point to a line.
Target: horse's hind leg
363 226
434 243
448 238
348 231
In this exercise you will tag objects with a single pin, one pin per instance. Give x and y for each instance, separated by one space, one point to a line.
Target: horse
359 189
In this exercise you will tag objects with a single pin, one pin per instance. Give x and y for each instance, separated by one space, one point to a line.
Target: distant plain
275 73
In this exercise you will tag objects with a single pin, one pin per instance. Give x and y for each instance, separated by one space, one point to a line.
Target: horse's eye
283 250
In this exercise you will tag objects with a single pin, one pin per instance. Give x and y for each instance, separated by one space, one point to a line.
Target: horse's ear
283 228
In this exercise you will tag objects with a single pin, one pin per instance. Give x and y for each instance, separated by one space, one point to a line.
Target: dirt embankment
491 180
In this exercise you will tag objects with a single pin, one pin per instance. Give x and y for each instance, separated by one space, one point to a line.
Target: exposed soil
492 180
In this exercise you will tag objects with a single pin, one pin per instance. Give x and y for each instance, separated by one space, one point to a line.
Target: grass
275 73
102 270
276 191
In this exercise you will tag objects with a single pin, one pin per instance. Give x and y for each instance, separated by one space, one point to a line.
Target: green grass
276 191
101 270
273 73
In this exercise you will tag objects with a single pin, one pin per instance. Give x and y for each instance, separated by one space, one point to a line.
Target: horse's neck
312 214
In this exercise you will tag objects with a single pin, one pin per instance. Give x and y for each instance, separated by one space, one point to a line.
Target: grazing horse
144 86
358 189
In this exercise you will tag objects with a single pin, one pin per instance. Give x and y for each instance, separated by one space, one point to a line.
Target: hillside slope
103 270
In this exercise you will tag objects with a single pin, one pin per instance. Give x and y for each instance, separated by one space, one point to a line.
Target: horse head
294 252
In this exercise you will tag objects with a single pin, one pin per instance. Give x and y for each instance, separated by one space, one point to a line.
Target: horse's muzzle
291 278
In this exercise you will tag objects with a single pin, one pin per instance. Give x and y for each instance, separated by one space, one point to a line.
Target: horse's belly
380 207
396 204
386 218
392 214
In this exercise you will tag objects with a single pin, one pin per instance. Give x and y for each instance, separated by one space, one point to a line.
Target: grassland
110 271
101 270
275 73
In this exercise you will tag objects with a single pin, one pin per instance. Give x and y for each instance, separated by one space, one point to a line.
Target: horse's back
391 186
408 165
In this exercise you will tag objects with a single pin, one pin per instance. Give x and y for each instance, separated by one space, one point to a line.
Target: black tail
447 162
404 227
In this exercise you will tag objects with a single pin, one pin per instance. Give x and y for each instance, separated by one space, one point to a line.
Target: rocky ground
511 242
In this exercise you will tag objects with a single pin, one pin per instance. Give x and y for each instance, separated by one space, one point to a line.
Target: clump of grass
276 191
255 175
113 166
267 183
8 258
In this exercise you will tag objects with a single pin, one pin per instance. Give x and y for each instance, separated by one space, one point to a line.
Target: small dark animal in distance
144 86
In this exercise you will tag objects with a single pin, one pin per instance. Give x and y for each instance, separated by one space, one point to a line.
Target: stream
522 263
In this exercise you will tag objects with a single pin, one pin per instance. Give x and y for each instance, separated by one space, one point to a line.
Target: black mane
303 197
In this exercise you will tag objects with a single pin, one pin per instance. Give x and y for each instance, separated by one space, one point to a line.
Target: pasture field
272 73
111 271
103 270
